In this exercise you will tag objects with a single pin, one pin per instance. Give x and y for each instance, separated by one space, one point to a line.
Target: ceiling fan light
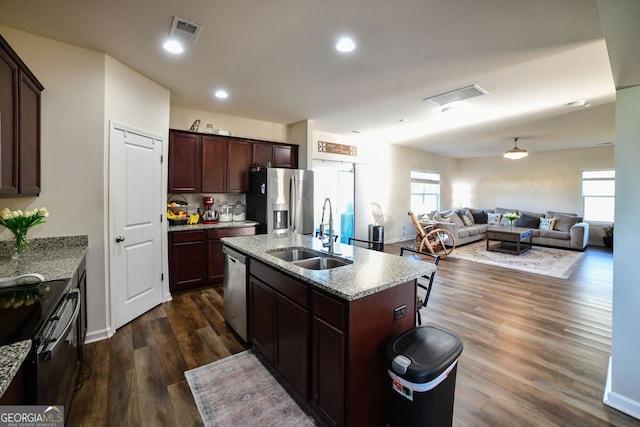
516 153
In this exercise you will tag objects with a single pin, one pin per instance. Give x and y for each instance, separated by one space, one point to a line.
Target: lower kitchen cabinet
262 302
328 349
187 260
292 343
280 327
196 258
328 370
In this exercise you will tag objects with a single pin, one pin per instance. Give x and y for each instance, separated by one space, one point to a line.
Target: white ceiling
276 59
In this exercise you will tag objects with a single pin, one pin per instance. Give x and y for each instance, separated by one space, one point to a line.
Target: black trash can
422 364
376 235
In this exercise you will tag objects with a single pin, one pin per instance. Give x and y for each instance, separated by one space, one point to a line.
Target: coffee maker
209 216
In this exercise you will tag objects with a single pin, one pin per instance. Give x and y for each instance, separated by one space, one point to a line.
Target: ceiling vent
456 95
185 30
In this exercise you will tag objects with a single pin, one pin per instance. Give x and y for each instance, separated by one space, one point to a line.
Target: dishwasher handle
234 256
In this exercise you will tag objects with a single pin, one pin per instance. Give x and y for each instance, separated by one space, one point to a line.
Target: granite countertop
55 258
229 224
11 358
371 271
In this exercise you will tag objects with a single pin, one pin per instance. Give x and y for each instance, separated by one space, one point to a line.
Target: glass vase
511 223
20 243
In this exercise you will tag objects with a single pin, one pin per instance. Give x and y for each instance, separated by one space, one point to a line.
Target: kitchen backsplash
195 200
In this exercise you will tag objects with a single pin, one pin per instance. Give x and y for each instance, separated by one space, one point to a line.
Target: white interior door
135 191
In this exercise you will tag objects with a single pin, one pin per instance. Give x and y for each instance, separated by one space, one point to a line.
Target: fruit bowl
178 221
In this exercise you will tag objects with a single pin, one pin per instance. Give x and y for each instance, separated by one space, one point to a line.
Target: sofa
551 228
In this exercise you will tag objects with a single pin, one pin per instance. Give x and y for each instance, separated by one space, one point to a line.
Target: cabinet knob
119 239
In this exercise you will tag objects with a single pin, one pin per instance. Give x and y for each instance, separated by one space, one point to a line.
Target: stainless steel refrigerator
281 200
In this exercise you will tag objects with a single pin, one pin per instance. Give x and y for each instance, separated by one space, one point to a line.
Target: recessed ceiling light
221 94
173 46
356 131
403 120
345 44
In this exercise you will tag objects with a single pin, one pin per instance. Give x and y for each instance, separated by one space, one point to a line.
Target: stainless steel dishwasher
235 290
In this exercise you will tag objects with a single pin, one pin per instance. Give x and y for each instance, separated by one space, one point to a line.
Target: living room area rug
240 391
559 263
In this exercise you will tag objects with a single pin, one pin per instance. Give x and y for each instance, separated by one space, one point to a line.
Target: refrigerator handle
293 196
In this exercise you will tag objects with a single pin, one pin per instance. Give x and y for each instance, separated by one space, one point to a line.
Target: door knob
119 239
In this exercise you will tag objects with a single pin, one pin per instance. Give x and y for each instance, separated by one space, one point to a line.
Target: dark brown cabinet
292 343
328 349
328 370
277 155
203 163
262 302
187 260
196 258
19 126
238 163
280 324
184 162
214 165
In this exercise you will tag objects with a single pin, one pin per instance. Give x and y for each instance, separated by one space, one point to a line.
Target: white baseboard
99 335
618 401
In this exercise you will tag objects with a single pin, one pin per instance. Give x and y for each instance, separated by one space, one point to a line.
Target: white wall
182 118
72 151
548 181
623 383
542 181
83 90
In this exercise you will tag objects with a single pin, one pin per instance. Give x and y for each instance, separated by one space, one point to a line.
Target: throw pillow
467 217
564 222
439 218
479 217
528 221
493 218
547 223
455 218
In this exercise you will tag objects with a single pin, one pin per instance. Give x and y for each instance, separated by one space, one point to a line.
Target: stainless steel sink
309 258
294 254
322 263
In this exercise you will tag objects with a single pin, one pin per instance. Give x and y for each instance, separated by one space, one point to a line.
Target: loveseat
556 229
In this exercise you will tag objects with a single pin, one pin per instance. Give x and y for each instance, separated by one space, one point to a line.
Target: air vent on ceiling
456 95
185 30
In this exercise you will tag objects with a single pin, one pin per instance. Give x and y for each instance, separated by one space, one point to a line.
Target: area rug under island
241 391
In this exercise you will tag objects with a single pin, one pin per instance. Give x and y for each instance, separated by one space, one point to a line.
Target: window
598 195
425 192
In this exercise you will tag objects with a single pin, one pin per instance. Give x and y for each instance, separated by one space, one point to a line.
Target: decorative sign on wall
333 148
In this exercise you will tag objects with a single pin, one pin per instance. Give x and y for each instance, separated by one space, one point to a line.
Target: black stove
25 309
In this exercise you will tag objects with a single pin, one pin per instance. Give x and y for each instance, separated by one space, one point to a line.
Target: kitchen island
325 330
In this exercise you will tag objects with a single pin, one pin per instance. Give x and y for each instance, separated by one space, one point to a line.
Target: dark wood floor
535 353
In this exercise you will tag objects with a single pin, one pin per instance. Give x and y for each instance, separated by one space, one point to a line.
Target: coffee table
511 240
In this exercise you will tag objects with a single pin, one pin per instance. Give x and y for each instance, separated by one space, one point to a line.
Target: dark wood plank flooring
536 350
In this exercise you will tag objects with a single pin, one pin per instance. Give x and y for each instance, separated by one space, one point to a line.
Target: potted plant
608 236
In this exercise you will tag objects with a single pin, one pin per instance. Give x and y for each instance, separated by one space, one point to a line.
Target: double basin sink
308 258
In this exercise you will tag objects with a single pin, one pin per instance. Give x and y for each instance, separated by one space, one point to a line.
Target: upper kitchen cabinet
277 155
204 163
184 162
225 164
19 126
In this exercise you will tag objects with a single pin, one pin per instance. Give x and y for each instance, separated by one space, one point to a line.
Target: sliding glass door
335 180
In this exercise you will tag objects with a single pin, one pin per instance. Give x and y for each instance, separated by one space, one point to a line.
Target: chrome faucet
329 242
